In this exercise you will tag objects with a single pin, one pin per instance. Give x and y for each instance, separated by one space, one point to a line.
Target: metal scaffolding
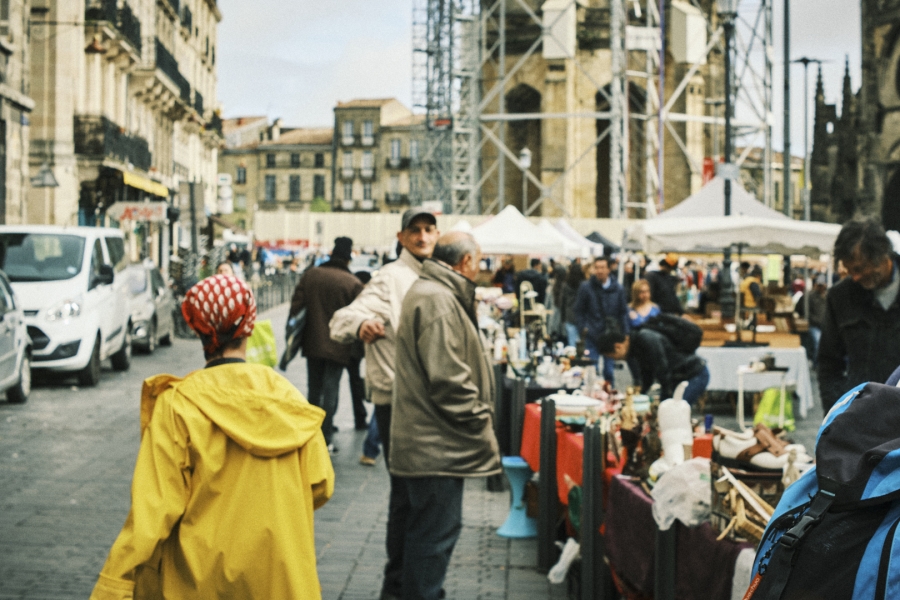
463 71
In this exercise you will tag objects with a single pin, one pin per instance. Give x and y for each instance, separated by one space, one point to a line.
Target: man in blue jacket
600 305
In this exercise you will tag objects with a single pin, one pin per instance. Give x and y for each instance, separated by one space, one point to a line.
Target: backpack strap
789 543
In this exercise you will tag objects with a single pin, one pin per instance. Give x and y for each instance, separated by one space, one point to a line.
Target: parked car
15 346
75 302
152 307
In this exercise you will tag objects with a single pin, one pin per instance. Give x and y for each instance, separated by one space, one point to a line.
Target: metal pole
660 165
501 98
788 196
806 195
729 34
194 247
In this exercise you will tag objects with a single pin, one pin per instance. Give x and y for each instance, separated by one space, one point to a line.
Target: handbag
261 348
293 338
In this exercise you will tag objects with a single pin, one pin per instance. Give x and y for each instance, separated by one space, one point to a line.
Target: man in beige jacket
373 317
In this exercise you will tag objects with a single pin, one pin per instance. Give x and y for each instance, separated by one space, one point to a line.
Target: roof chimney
275 131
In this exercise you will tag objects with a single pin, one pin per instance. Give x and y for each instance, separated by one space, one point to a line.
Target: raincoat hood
254 406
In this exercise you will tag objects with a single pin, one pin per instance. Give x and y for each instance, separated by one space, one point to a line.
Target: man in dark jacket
861 328
442 423
322 291
537 280
599 305
653 358
664 284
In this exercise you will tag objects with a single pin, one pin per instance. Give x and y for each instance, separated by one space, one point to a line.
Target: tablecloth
723 363
705 567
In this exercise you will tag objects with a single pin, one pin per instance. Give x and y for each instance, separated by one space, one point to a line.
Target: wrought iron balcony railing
99 138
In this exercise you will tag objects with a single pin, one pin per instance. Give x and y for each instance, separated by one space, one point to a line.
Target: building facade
288 169
15 109
125 95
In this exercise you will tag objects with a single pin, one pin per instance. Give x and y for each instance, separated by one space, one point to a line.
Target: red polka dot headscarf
220 309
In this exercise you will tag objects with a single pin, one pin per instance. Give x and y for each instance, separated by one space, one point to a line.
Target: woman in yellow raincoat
231 466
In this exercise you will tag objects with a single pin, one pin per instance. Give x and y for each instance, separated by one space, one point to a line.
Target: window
270 160
295 160
395 150
348 190
348 160
368 161
414 150
295 188
320 160
240 202
241 175
347 133
96 263
368 129
270 188
4 17
116 248
395 184
42 257
318 186
367 191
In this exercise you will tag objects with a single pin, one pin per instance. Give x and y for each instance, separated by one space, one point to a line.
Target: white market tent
509 232
462 225
569 232
712 234
710 201
572 248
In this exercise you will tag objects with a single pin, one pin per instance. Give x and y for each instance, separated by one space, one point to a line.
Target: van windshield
41 256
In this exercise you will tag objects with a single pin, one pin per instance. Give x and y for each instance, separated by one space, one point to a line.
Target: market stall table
723 363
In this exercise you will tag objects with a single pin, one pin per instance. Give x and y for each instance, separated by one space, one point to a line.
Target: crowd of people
234 459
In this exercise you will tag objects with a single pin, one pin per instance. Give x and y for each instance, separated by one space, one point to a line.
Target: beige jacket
380 300
442 417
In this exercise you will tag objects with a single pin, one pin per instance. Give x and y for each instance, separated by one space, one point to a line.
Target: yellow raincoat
231 466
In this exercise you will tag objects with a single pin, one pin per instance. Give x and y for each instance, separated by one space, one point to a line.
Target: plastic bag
770 406
683 492
261 347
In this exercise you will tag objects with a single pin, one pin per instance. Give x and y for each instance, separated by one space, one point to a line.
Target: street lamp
727 11
805 61
525 164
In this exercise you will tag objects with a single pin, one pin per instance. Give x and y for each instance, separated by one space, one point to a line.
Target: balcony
395 199
348 204
187 18
166 63
124 20
368 140
367 173
348 140
174 4
367 205
397 163
347 173
99 138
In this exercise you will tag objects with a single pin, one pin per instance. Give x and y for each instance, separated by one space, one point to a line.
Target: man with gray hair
442 424
861 327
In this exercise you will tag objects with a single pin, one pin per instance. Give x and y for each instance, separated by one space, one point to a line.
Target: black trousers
357 393
324 378
398 510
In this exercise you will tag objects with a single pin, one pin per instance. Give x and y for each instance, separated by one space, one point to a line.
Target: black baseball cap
411 214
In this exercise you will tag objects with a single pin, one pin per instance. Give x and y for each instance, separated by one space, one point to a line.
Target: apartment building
377 146
282 168
125 95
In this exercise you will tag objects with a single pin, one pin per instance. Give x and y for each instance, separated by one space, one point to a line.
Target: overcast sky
295 59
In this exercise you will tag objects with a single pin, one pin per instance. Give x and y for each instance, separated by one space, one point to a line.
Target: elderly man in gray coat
442 424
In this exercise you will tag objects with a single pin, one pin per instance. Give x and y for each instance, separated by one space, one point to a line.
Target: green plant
319 205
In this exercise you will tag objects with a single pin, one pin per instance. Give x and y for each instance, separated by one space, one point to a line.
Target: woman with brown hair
642 308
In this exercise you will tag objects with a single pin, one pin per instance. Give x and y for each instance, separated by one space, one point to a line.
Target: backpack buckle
820 505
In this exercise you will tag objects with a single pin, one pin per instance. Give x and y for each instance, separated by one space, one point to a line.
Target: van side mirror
105 276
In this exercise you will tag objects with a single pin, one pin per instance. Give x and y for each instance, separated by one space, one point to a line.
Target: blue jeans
696 386
372 443
815 334
572 336
324 378
609 365
433 526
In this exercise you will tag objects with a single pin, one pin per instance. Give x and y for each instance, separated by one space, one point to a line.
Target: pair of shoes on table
332 449
367 461
757 449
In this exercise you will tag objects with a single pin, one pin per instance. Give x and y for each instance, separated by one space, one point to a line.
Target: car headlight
65 310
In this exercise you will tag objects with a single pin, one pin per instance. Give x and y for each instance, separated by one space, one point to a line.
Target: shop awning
144 184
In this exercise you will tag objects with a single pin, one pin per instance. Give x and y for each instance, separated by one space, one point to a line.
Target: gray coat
442 421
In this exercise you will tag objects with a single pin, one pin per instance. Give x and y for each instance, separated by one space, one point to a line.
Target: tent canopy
509 232
712 234
569 232
573 248
710 202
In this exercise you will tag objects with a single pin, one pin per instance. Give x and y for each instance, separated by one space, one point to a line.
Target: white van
76 307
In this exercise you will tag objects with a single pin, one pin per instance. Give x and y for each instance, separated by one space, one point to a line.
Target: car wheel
121 360
151 338
18 394
166 340
90 375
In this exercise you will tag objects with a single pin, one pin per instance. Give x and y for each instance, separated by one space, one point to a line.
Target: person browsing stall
599 306
642 308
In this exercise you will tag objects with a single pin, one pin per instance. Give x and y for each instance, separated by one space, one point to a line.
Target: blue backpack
834 533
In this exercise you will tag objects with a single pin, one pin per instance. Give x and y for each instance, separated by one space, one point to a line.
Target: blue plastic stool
518 524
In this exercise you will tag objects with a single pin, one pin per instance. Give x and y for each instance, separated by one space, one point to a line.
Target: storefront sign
154 212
